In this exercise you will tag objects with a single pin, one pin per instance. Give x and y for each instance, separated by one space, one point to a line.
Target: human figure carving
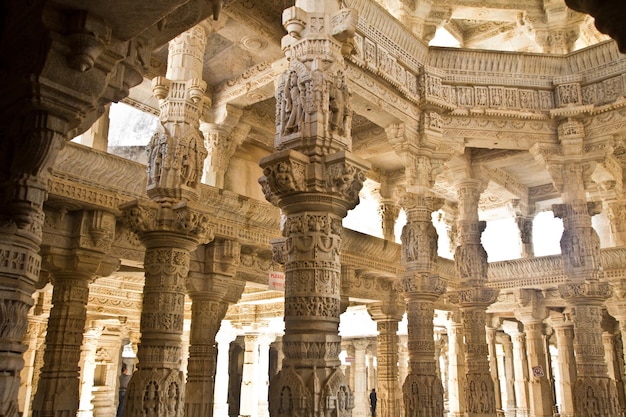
293 105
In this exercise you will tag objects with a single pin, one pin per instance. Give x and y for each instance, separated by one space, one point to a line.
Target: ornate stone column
249 392
360 378
314 180
87 371
509 374
403 358
170 226
211 287
493 367
456 366
571 164
525 226
72 269
223 132
387 315
520 366
263 374
50 96
224 337
564 331
422 390
473 296
34 339
531 312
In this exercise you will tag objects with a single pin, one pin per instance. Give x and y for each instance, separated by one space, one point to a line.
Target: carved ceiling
243 60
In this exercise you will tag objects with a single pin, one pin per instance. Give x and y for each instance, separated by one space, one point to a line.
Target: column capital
387 311
157 224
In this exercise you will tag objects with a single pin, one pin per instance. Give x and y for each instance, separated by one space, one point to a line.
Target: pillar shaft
540 390
509 373
224 337
387 316
249 382
471 265
564 331
211 288
493 366
456 373
314 180
360 378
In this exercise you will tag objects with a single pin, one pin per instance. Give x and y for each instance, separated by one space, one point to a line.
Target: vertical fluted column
360 378
170 226
509 374
314 180
249 391
421 286
474 297
211 288
224 337
531 311
493 366
456 367
36 327
564 331
264 366
387 316
87 371
520 365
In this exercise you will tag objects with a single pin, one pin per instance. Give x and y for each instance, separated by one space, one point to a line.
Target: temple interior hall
313 208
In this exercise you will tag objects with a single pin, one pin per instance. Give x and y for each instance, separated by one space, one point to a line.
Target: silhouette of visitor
373 400
124 379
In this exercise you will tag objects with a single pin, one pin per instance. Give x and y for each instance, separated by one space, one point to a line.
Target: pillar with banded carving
421 286
170 225
72 270
314 179
211 288
473 296
387 316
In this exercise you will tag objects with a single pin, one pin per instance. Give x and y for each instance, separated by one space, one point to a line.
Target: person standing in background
373 400
124 379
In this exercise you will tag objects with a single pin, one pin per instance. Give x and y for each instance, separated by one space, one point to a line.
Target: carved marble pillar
520 365
51 95
211 288
224 337
221 137
509 374
421 286
586 295
403 358
614 371
531 312
314 180
250 377
170 226
72 269
493 366
263 374
473 296
564 331
87 371
387 315
456 367
525 226
360 378
389 212
616 212
97 137
34 339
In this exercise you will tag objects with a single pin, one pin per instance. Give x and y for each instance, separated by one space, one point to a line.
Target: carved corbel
88 37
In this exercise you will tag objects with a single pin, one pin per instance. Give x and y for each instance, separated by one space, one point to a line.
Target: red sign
276 281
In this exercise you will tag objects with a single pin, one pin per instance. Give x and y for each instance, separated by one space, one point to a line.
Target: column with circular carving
315 180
